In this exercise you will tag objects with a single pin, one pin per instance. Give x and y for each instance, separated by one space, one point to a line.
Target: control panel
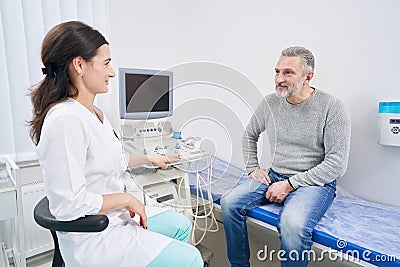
151 131
146 137
187 151
145 129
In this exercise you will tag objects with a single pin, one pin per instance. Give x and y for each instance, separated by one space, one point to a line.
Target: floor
259 238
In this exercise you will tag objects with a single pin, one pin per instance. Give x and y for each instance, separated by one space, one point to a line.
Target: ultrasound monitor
145 94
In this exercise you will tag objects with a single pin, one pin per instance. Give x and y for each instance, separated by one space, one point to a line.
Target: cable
196 216
205 202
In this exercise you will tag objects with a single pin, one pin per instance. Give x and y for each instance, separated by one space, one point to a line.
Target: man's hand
261 175
277 192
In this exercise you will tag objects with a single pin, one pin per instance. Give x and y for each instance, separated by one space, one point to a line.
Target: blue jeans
301 211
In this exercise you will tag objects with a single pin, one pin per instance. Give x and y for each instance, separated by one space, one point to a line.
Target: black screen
146 93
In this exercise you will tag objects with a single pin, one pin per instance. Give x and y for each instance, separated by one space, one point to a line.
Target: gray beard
289 93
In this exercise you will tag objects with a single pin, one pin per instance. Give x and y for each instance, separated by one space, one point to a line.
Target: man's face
289 77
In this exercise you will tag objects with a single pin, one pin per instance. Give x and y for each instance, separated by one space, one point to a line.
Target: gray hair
307 58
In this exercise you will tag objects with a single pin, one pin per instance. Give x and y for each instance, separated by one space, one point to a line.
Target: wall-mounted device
389 123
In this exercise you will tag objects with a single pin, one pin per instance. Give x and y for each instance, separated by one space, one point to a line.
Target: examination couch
364 232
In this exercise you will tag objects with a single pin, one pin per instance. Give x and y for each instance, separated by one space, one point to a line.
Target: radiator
37 239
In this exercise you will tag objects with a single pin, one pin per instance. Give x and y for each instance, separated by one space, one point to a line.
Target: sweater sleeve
251 135
337 133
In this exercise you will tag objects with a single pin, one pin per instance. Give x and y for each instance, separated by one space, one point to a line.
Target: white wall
233 47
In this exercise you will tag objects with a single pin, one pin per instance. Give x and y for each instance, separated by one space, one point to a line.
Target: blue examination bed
365 230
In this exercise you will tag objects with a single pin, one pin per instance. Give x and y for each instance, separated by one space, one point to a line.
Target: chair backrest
89 223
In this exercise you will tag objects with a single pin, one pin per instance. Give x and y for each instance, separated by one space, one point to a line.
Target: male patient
309 135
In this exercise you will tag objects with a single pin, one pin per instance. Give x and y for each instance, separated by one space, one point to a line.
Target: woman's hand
116 201
154 159
162 160
134 206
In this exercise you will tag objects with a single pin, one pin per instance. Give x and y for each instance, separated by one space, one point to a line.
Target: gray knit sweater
309 142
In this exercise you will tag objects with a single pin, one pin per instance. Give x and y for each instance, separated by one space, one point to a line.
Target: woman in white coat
82 160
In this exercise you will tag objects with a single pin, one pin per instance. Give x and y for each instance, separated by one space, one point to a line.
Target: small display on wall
388 123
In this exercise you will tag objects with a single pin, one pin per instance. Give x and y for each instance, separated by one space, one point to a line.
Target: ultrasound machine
147 95
146 103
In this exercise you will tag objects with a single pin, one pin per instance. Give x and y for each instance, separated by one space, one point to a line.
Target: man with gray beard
309 136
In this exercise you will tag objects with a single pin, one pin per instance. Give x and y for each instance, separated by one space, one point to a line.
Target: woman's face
98 71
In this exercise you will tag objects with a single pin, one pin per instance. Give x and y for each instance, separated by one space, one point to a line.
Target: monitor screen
145 94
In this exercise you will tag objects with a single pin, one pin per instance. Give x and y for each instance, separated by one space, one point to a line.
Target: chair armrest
89 223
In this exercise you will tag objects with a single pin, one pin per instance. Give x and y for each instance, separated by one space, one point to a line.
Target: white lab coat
81 159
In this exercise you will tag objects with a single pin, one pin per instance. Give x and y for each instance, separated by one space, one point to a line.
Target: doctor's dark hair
60 46
307 58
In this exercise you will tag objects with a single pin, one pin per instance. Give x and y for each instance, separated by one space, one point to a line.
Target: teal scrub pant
178 253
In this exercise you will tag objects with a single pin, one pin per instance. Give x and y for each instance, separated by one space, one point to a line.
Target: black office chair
89 223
